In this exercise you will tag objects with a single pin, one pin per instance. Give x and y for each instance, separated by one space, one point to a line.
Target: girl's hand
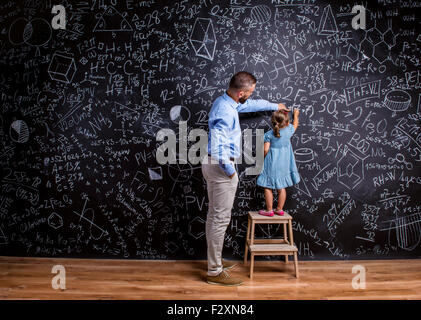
296 112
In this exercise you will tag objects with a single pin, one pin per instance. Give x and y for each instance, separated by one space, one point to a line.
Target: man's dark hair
242 80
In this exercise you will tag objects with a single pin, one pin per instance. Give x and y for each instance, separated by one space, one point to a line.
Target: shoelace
225 274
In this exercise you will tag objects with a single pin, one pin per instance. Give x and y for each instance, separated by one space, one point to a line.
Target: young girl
279 168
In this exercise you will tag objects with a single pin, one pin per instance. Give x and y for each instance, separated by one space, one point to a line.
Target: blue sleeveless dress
279 168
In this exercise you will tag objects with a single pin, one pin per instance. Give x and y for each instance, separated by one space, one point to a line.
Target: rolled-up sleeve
219 140
257 105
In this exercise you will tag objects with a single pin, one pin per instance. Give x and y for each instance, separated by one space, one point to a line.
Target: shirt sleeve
220 146
266 137
256 105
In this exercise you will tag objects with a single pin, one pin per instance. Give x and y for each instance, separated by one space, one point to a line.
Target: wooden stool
268 247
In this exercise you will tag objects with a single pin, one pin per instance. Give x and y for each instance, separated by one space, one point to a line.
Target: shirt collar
230 100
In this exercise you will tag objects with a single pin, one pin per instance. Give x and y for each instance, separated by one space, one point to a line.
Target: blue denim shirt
224 140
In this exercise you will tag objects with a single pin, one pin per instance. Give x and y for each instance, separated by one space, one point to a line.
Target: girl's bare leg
282 196
269 199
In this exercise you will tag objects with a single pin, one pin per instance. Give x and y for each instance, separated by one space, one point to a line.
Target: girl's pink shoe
279 212
266 213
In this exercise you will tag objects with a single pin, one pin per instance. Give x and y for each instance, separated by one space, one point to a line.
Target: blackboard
81 109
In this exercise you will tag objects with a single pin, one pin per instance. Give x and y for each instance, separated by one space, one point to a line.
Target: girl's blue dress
279 168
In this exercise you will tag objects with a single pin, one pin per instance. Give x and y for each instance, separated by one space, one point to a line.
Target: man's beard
242 100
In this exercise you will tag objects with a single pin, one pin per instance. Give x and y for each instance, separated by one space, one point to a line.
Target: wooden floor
30 278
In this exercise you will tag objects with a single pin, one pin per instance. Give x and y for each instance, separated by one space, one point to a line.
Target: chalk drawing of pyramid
203 38
112 20
302 186
327 24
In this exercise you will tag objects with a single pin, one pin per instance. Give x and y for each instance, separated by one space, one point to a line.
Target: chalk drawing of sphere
261 14
180 172
36 32
16 31
19 131
179 113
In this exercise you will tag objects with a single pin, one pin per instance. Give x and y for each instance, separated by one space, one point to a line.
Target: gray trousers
221 194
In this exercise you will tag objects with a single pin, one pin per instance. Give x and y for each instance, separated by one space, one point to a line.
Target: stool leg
286 240
247 238
251 243
285 233
291 237
296 264
251 264
252 233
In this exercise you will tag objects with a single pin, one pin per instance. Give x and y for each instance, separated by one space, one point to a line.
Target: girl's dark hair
279 120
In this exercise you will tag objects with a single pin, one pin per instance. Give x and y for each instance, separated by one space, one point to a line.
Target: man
224 145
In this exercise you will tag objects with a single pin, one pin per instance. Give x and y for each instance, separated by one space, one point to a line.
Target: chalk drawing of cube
350 170
62 68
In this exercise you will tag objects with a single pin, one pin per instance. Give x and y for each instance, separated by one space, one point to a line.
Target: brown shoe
226 264
224 279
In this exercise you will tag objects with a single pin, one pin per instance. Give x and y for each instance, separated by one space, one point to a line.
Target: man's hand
231 176
281 106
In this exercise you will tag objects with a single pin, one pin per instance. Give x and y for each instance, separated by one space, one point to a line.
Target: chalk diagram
327 24
260 14
62 68
400 158
55 220
302 186
407 231
180 173
197 227
3 239
171 247
112 20
352 53
268 230
377 44
203 38
125 113
88 215
179 113
350 169
155 173
19 131
397 100
290 68
303 155
36 32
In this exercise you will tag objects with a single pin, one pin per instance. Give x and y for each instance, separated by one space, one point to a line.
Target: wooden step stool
268 247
